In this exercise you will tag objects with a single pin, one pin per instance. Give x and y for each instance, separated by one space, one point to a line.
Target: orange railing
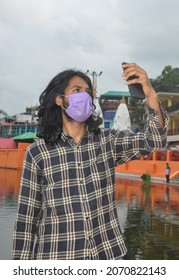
13 158
154 164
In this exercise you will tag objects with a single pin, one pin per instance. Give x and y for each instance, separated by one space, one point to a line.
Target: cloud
39 38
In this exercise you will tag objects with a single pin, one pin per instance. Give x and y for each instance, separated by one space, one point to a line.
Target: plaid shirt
67 207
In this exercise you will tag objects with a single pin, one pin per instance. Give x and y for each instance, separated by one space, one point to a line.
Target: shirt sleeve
29 205
130 146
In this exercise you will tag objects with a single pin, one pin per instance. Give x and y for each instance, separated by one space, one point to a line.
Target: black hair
49 114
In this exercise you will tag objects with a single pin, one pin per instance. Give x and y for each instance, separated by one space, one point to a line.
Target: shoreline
138 178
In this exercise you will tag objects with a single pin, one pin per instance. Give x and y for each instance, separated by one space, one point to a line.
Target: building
5 118
171 103
11 126
109 103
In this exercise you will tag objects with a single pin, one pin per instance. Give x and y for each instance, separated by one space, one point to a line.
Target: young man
67 197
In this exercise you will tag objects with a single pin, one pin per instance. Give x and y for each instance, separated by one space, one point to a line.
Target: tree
168 81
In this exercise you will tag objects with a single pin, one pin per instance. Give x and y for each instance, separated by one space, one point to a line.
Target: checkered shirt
66 206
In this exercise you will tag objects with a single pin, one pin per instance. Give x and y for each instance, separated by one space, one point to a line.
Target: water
9 188
149 217
151 224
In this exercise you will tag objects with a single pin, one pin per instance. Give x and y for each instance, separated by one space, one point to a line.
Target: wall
13 158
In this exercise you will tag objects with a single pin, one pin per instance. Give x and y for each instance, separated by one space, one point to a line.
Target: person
66 206
167 172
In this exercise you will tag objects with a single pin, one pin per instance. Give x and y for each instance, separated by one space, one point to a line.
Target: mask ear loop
61 105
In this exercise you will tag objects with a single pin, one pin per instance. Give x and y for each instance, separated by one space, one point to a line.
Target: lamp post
94 75
96 102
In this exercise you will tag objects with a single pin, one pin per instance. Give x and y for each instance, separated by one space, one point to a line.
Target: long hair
49 114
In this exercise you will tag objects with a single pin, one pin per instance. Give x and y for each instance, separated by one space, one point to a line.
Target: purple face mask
80 106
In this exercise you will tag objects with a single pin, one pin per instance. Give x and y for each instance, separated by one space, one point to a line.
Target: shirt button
79 163
81 181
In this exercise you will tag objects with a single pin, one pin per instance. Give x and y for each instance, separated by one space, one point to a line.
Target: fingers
134 74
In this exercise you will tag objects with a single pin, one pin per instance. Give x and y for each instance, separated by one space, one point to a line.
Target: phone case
135 90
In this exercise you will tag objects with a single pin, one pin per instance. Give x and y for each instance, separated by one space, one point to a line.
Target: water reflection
149 216
9 189
152 221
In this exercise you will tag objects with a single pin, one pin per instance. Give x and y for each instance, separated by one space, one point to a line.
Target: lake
149 217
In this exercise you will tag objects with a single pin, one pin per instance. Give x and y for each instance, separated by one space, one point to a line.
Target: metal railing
173 108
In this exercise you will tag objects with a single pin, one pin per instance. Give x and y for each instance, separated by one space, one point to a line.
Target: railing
13 158
153 164
162 156
173 132
173 108
174 175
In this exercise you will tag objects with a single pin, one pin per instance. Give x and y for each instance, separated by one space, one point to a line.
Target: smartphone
135 90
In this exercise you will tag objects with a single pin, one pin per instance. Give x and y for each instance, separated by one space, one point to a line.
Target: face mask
80 106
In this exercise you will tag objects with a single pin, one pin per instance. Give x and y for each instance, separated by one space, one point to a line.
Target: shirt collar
65 137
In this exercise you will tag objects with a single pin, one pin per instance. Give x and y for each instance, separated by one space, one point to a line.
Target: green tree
168 81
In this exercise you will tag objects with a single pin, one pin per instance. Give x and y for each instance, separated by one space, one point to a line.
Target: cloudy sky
40 38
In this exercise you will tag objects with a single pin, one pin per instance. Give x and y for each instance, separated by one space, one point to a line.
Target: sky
40 38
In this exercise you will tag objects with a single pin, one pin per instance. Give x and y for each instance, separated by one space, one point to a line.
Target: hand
131 69
142 78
